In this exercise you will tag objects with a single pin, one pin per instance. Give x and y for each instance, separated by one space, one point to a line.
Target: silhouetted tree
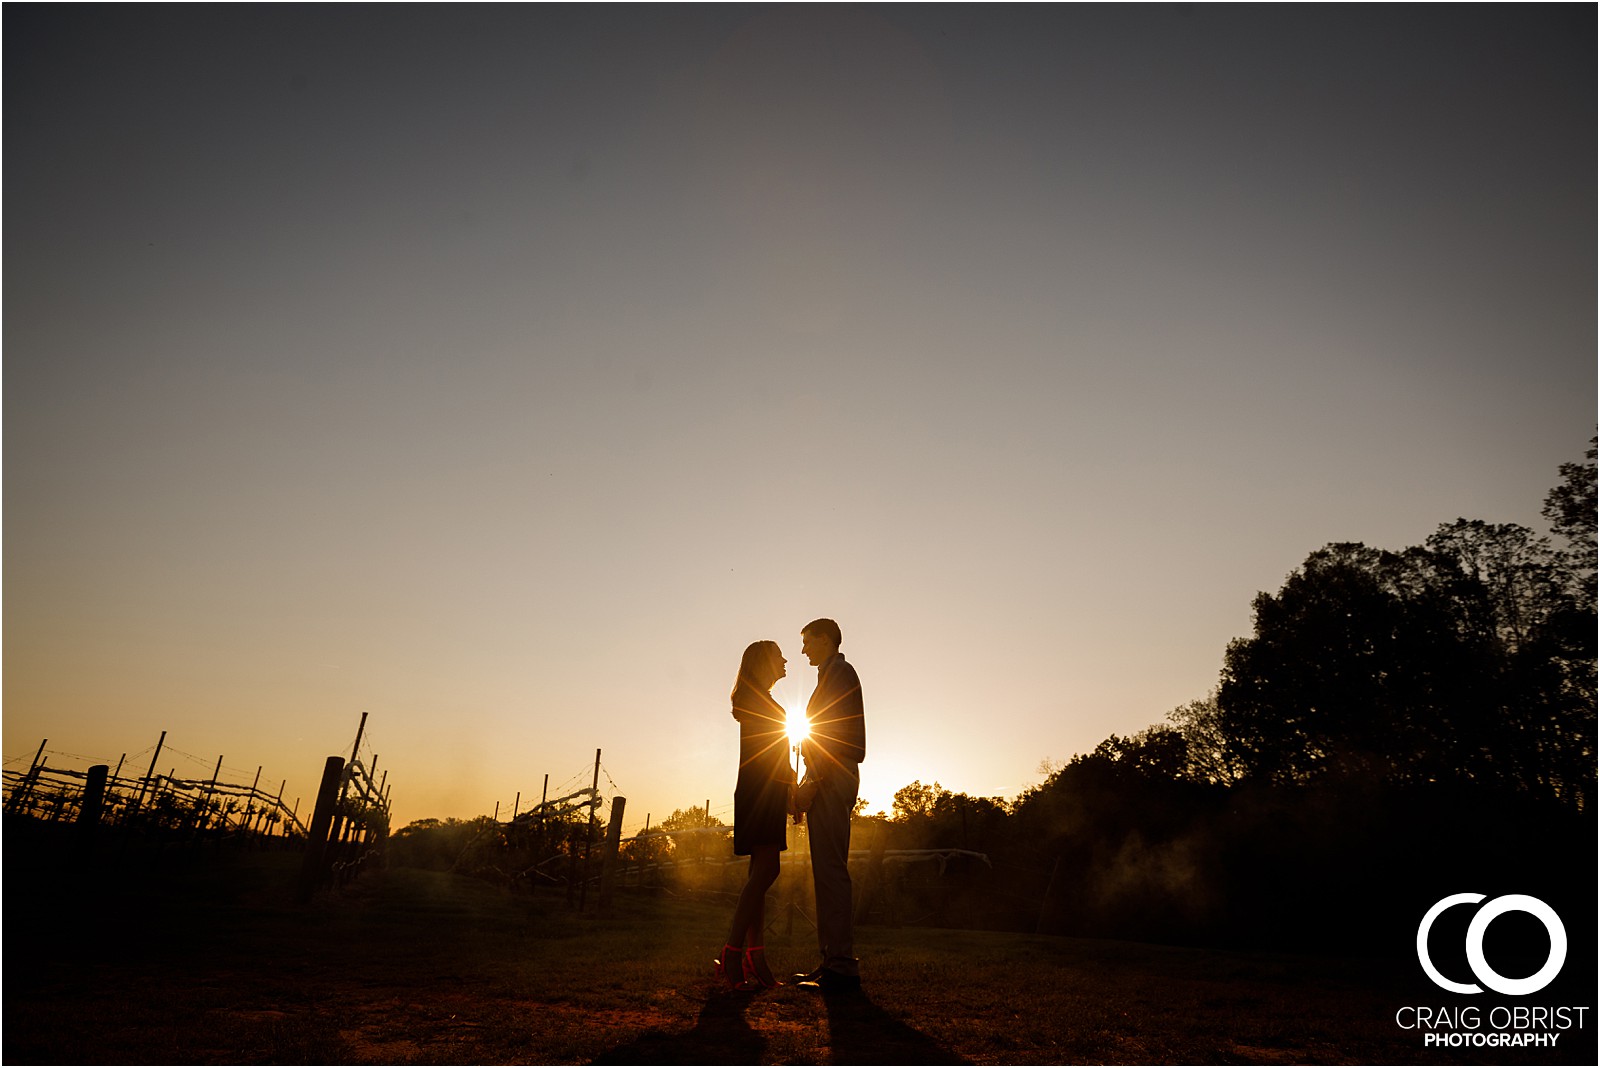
1209 758
1470 660
693 818
1559 670
1570 508
436 844
1154 753
1521 575
647 849
932 817
1543 625
915 801
1368 663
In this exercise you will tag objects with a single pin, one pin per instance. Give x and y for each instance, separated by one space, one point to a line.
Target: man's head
819 640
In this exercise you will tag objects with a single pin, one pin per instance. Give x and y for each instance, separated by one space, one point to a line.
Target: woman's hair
756 656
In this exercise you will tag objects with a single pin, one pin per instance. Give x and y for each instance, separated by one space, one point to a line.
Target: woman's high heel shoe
755 975
720 968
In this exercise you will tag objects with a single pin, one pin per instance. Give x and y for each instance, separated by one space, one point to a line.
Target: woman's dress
761 797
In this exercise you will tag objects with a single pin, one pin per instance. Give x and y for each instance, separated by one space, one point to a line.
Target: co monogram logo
1475 932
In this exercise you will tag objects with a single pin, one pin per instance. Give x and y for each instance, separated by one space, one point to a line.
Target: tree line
1468 660
1400 724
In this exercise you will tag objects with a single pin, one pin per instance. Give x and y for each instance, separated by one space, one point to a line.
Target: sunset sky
503 371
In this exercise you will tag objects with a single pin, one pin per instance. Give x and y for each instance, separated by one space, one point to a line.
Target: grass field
206 960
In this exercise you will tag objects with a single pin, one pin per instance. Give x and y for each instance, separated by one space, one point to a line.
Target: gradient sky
502 372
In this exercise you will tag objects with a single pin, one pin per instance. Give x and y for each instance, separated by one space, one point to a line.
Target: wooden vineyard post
250 806
202 811
32 783
588 835
116 776
608 859
311 870
18 794
94 796
355 750
149 776
277 810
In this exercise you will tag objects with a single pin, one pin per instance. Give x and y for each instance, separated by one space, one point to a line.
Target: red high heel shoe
719 968
751 975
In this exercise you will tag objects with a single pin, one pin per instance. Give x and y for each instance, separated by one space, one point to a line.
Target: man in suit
833 752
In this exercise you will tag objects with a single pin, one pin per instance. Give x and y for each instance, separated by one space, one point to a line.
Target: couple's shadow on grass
858 1032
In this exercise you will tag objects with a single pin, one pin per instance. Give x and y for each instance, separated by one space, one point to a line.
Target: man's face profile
816 647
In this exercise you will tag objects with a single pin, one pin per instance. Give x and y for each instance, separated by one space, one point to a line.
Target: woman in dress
760 811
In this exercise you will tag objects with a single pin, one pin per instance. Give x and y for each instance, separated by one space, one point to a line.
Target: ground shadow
859 1032
721 1035
862 1033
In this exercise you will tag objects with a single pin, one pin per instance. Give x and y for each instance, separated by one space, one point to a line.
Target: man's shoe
813 976
832 982
840 983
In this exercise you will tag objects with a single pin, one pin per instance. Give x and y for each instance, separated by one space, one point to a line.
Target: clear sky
502 372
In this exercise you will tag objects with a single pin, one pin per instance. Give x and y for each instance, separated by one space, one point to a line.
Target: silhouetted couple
766 796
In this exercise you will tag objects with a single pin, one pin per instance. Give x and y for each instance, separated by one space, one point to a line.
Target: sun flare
795 724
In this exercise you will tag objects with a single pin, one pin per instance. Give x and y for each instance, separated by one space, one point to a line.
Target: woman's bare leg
749 915
763 873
